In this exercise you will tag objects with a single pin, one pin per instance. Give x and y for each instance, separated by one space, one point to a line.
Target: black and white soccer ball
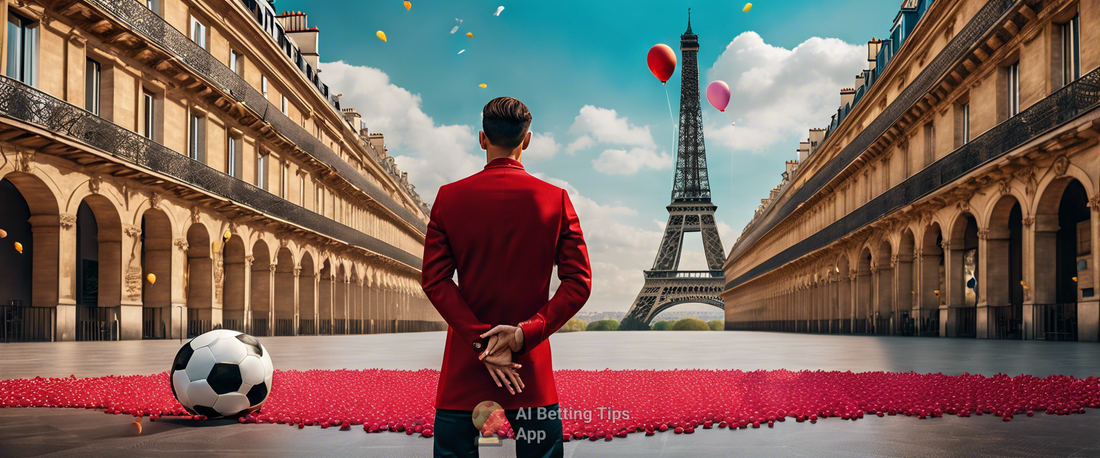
222 373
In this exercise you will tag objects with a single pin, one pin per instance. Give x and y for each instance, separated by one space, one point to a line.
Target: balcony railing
684 274
154 28
28 104
1055 321
1057 109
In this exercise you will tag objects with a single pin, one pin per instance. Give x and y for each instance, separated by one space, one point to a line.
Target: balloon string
670 117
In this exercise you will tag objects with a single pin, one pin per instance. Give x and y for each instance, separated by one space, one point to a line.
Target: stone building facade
170 167
955 191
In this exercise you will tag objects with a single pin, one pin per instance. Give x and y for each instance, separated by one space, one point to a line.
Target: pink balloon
718 94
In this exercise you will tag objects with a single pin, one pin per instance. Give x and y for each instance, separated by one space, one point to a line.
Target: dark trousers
456 435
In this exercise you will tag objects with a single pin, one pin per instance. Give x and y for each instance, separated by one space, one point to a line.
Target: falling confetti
680 401
408 5
455 28
748 6
499 9
138 424
483 85
152 278
227 235
3 233
381 35
470 34
18 247
462 51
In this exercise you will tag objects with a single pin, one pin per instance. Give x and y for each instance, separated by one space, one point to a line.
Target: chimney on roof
873 48
847 96
803 151
816 136
859 80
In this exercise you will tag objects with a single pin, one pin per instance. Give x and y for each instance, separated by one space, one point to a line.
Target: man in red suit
503 231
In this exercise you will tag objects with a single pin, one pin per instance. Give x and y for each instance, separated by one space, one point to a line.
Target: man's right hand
503 370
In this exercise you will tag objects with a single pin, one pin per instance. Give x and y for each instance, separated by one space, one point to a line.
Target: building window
283 183
91 86
929 144
149 104
282 103
198 32
261 171
22 50
320 199
263 85
302 190
966 123
236 62
1013 89
196 138
1071 53
234 154
153 5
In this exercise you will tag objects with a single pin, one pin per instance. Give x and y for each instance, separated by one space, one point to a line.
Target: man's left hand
508 337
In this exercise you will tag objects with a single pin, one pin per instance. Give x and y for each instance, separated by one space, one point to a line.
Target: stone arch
864 291
235 290
842 308
98 266
1001 283
156 259
284 293
307 302
1063 255
199 280
885 287
261 288
29 214
906 282
963 281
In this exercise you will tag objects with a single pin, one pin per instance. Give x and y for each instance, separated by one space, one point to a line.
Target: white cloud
583 142
622 162
779 93
595 125
432 154
542 147
605 126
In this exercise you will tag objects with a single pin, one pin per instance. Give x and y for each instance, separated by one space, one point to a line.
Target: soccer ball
222 373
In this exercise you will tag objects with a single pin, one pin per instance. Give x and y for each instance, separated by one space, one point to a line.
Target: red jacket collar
503 162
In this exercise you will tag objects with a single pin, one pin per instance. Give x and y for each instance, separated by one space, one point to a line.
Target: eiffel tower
690 211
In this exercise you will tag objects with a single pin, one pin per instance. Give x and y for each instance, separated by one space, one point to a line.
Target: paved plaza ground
88 434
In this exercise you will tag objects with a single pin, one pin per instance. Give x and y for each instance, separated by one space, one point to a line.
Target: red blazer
503 230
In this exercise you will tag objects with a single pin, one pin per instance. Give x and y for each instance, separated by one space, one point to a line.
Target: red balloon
662 62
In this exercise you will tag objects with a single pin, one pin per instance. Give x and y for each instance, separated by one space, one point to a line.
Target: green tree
717 325
662 325
573 325
603 325
690 324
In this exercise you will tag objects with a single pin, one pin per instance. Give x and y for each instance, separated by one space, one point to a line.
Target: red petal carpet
597 404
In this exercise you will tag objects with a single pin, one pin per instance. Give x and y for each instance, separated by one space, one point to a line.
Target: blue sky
601 129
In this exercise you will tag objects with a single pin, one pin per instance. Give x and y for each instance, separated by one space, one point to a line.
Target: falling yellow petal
482 85
1074 278
138 424
748 6
226 235
18 247
381 35
470 34
408 5
152 279
4 233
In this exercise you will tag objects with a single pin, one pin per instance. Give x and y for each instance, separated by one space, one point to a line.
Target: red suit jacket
503 230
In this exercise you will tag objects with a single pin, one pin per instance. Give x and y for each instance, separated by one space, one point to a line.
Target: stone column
297 300
993 287
130 307
177 316
953 284
1088 309
271 268
246 316
884 308
54 260
1044 256
904 292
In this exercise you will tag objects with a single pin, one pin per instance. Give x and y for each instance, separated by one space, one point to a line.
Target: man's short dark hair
505 121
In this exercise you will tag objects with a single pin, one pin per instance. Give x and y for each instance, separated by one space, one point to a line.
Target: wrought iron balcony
683 274
28 104
1057 109
154 29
